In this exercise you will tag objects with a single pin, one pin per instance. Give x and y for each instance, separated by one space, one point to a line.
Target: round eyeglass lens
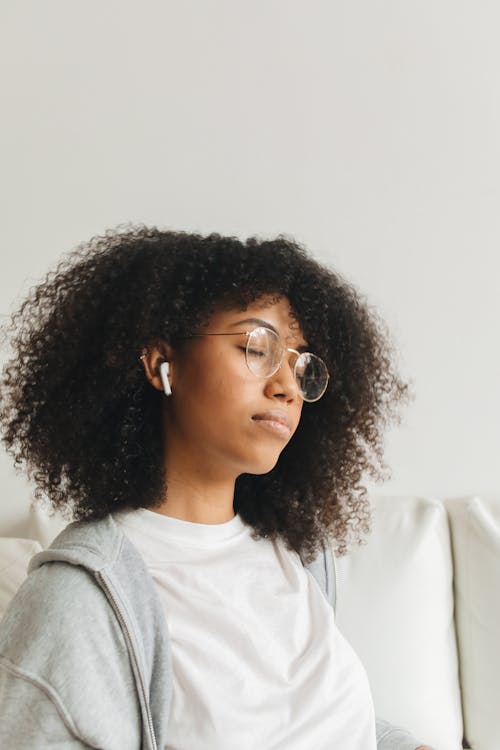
312 376
264 352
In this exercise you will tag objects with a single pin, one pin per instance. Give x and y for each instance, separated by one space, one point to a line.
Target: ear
152 358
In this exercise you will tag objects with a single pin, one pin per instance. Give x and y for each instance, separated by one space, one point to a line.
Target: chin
263 467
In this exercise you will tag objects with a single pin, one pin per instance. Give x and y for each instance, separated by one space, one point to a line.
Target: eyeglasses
264 354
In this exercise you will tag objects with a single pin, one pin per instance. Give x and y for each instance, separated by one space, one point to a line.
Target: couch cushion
475 530
15 555
395 607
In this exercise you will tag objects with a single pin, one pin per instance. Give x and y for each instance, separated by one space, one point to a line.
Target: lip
275 421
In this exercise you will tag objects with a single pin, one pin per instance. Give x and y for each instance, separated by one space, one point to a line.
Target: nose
283 384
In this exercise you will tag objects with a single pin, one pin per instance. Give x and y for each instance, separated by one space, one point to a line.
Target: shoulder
58 609
60 633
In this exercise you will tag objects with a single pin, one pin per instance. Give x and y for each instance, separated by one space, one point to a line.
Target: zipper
123 622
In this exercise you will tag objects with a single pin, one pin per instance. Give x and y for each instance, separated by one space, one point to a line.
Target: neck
198 504
196 492
200 484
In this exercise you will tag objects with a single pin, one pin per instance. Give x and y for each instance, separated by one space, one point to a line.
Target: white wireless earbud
164 370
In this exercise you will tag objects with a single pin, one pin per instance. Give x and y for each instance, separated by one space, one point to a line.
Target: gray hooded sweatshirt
85 658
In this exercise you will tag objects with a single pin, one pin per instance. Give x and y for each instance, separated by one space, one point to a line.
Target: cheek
214 394
231 383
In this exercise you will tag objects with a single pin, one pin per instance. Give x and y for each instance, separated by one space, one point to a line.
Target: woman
204 409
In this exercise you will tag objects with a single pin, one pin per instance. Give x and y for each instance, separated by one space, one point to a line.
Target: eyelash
252 351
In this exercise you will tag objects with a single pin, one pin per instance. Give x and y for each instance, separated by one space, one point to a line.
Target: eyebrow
266 324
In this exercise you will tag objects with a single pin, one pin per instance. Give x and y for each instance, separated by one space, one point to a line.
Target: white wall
368 130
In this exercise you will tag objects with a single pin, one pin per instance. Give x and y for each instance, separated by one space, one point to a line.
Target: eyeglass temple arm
232 333
238 333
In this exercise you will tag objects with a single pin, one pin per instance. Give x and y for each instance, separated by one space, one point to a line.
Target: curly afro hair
78 412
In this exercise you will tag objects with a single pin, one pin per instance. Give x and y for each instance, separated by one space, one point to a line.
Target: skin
211 436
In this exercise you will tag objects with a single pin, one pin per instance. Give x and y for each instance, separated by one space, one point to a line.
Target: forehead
275 311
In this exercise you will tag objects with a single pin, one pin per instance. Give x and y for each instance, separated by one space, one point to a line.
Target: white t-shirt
258 662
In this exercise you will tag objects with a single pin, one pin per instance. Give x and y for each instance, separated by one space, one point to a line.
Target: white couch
419 602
